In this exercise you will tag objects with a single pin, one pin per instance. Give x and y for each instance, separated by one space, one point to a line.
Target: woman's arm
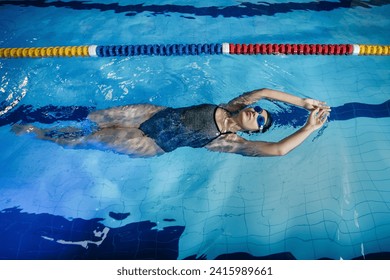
307 103
236 144
316 119
251 97
244 100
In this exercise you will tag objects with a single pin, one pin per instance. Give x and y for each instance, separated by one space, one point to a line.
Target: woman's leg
117 130
68 136
129 141
130 116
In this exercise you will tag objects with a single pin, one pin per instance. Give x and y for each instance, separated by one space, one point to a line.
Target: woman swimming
147 130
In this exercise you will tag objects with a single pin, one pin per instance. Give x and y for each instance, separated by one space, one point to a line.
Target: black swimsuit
193 126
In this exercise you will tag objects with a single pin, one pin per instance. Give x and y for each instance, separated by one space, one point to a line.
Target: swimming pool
329 198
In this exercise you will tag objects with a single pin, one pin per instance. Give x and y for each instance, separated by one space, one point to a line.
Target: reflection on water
296 117
12 97
243 9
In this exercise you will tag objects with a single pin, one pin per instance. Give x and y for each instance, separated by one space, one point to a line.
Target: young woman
147 130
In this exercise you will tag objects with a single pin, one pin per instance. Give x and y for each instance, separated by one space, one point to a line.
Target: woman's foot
20 129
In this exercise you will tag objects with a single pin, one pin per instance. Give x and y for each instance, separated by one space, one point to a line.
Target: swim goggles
260 118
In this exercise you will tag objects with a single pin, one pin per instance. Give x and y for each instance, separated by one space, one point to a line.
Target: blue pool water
329 198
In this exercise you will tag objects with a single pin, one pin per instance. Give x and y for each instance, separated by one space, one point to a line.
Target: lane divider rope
195 49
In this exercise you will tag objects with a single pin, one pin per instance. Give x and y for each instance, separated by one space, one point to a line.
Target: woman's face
248 119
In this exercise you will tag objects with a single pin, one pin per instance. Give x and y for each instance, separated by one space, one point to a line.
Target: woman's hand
317 118
312 104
